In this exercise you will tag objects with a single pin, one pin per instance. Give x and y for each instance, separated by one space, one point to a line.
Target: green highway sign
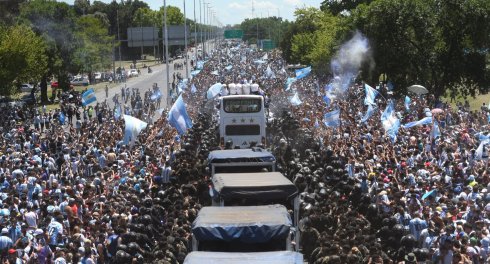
233 34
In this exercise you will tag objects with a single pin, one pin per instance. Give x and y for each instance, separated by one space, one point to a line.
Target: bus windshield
236 105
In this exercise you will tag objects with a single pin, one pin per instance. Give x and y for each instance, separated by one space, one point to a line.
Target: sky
235 11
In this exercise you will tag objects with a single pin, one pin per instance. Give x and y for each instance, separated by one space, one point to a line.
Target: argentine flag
289 82
88 97
407 102
332 119
423 121
371 94
301 73
133 127
178 117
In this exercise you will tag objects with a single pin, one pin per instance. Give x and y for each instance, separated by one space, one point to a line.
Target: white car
133 73
26 87
80 81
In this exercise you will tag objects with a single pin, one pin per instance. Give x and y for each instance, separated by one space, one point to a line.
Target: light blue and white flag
133 127
301 73
182 85
214 90
289 82
407 102
332 119
371 94
229 67
316 123
156 95
436 132
424 121
389 120
88 97
193 88
259 61
479 150
393 130
295 100
178 117
370 111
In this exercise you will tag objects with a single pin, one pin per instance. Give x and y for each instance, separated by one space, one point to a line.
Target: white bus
242 120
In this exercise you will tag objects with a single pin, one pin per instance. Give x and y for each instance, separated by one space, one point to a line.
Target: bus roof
241 96
247 224
273 257
255 186
240 155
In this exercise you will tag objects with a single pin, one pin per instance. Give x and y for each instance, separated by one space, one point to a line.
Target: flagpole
185 40
166 45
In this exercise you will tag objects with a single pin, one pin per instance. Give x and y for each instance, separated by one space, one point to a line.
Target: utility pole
185 41
166 45
195 26
118 38
204 22
200 24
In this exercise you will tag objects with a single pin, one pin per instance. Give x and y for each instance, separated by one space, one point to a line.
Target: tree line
442 44
41 39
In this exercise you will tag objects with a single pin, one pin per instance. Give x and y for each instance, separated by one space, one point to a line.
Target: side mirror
218 106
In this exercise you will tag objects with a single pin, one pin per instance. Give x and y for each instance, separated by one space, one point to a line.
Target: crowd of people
73 192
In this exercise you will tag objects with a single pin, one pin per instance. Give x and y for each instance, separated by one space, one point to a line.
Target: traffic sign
233 34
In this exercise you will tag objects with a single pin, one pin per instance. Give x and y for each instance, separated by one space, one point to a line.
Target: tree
436 43
313 38
337 7
55 22
263 28
22 57
95 51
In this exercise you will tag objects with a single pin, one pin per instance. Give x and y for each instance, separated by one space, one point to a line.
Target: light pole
166 45
195 26
185 41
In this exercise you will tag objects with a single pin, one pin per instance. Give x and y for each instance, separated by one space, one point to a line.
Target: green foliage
22 58
264 28
95 53
442 44
314 36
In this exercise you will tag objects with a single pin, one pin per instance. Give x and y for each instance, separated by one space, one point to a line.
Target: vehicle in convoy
80 81
271 257
258 188
242 121
242 229
241 160
133 73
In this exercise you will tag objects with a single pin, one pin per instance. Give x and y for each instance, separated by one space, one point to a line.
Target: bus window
236 105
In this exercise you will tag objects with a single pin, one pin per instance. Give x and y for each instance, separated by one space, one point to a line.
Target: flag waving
332 119
88 97
295 100
423 121
289 82
371 94
407 102
301 73
133 127
178 117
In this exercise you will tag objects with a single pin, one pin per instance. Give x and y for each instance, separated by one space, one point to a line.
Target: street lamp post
185 41
166 46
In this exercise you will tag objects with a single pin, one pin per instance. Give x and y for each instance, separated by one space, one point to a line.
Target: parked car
98 76
133 73
80 81
26 87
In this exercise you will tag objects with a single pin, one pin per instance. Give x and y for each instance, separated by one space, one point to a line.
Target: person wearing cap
5 241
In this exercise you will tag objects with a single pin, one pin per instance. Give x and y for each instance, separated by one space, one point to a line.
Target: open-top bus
242 120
